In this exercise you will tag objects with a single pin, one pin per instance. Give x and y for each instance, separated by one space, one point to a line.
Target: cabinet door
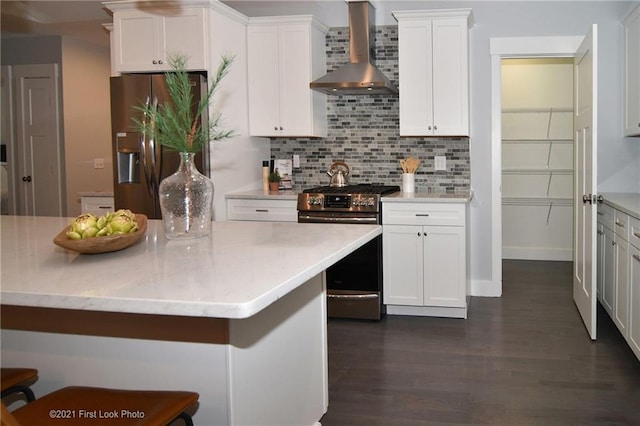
144 42
444 266
135 36
264 81
295 72
609 271
600 262
632 74
415 78
450 77
403 265
634 300
184 34
621 307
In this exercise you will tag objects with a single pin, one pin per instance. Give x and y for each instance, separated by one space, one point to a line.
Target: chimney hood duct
360 76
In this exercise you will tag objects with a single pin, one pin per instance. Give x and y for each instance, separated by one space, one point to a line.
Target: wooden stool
81 406
18 380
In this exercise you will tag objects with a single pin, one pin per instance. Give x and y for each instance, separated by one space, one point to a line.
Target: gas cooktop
363 188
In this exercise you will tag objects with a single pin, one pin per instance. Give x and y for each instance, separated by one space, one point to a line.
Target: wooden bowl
104 244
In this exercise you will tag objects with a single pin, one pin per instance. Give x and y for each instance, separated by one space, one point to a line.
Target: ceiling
84 18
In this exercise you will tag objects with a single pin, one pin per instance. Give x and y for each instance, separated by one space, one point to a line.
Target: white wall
87 119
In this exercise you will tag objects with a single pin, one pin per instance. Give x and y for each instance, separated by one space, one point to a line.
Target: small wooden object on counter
104 244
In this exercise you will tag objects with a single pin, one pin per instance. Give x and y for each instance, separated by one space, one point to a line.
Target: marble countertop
96 193
240 269
259 194
626 202
430 197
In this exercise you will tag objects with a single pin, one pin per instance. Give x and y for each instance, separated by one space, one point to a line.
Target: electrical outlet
98 163
296 161
440 162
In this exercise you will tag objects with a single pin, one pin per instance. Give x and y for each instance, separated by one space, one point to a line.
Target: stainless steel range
354 284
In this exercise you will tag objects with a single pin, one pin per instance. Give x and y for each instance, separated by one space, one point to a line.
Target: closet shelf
536 201
537 171
533 140
531 109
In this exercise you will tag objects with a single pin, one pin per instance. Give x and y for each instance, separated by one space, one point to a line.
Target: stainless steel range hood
360 76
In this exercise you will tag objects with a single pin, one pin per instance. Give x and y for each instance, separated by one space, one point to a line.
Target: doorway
503 48
537 159
34 149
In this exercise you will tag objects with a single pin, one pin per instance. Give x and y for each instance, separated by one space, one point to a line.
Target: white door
7 179
585 146
40 161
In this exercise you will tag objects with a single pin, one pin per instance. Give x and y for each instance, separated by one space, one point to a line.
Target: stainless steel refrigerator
139 163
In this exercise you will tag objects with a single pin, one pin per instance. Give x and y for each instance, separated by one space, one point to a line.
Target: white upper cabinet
433 49
144 41
632 74
284 55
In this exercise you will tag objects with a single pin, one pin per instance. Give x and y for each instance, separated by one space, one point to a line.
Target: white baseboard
537 253
486 288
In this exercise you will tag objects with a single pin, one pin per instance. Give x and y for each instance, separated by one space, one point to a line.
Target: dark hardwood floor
523 359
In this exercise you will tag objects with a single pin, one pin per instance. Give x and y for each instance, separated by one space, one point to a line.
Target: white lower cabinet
619 271
97 205
621 304
424 259
634 300
263 210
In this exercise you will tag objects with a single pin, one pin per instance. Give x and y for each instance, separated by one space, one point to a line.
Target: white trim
486 288
499 48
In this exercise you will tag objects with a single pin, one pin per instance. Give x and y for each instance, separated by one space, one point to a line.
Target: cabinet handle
636 257
435 127
429 128
281 128
154 62
600 214
419 234
620 224
104 207
262 211
637 235
275 128
422 214
160 62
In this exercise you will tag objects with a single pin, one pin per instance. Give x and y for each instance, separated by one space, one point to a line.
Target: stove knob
356 202
318 201
370 202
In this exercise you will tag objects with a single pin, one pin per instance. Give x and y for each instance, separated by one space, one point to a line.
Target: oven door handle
305 218
352 296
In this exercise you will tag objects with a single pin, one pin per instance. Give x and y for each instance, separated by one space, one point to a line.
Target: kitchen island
239 317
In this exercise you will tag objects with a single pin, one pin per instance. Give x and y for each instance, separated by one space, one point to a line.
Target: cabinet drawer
634 232
96 205
621 224
262 210
605 215
437 214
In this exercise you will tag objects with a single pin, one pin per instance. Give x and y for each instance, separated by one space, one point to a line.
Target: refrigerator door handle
156 154
144 148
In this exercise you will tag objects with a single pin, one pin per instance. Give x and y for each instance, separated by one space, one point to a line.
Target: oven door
354 284
338 217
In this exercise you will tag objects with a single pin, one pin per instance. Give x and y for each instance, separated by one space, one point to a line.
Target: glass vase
186 200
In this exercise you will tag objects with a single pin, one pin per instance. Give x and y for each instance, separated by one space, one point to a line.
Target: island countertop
240 269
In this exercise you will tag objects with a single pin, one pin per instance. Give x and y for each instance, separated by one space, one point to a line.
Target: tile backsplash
363 131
